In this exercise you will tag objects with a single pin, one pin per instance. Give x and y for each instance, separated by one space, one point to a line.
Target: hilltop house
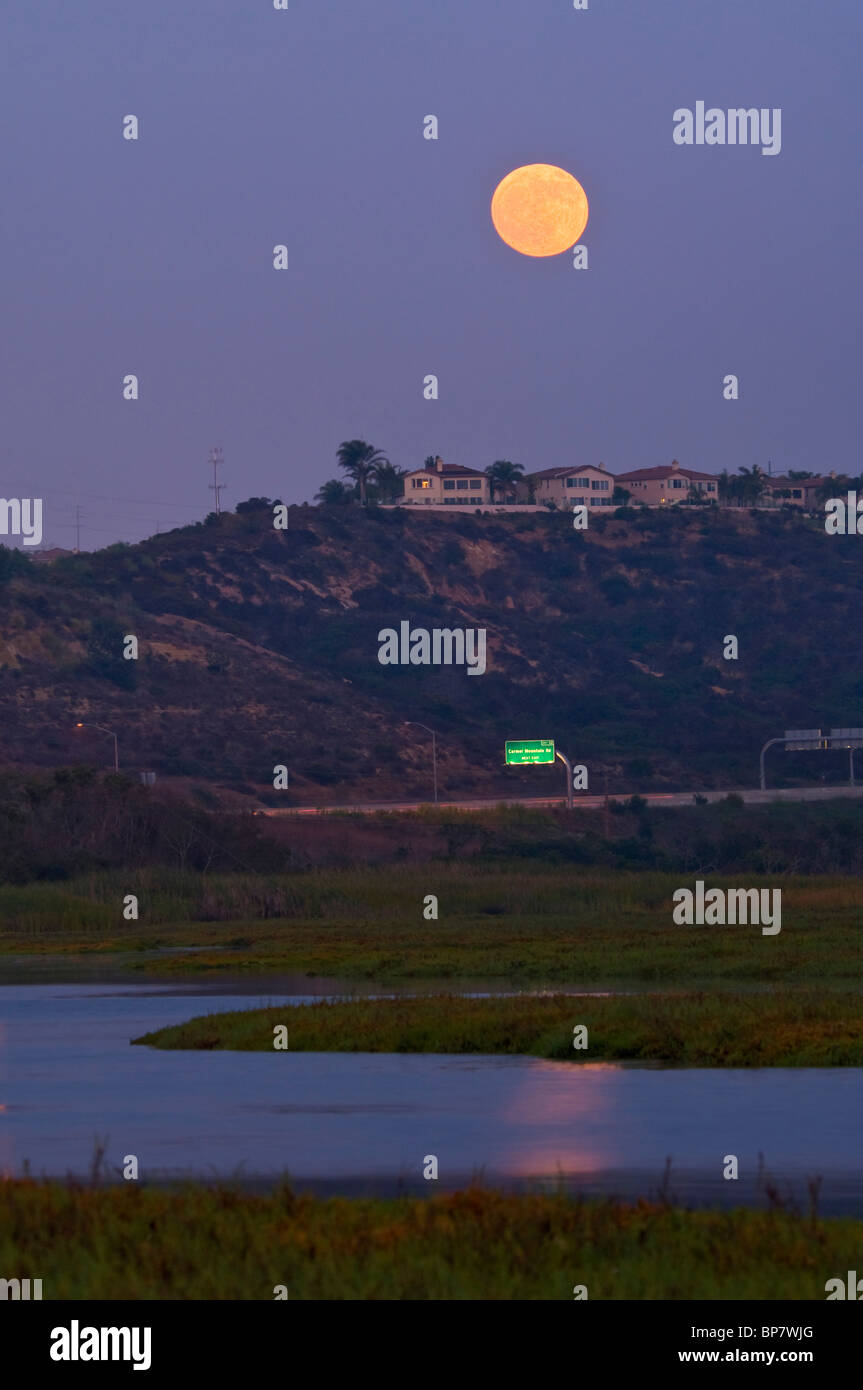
592 485
446 483
668 483
795 492
585 485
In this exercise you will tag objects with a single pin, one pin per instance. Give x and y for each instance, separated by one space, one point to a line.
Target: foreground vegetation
518 923
76 826
697 1030
126 1242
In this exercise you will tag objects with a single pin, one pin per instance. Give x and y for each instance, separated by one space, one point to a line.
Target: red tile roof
448 470
45 556
665 470
776 480
566 470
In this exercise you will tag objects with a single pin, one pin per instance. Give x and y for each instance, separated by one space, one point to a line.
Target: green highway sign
536 750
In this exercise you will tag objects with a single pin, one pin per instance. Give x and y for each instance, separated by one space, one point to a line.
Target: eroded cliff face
259 647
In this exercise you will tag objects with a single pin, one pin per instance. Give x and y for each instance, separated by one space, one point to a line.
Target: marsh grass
782 1028
126 1242
533 924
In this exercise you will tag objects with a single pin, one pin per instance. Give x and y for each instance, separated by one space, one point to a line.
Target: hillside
259 647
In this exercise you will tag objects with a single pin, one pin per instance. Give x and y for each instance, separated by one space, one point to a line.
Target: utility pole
216 459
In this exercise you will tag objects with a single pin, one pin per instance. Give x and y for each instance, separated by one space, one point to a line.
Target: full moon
539 210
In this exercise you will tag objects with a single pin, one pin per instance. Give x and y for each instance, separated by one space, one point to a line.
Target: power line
132 501
85 526
116 516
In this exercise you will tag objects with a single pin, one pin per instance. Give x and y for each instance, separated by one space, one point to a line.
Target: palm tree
831 487
753 482
388 481
360 461
504 475
727 487
334 493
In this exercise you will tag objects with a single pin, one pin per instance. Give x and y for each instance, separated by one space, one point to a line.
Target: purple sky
304 127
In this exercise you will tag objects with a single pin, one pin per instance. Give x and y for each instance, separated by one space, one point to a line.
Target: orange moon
539 210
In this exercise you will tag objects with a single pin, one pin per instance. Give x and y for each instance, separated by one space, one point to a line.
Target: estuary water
367 1121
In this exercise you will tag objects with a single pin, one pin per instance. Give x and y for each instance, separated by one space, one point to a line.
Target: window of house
796 492
420 482
476 483
448 486
461 484
677 483
711 487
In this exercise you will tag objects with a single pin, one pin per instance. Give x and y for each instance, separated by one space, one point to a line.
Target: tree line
373 478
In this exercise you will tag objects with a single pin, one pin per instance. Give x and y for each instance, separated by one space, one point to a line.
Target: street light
434 749
798 739
114 737
568 765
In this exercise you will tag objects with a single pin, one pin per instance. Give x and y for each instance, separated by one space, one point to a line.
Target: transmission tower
216 459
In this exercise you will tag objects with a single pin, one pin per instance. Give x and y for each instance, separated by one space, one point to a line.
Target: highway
587 801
